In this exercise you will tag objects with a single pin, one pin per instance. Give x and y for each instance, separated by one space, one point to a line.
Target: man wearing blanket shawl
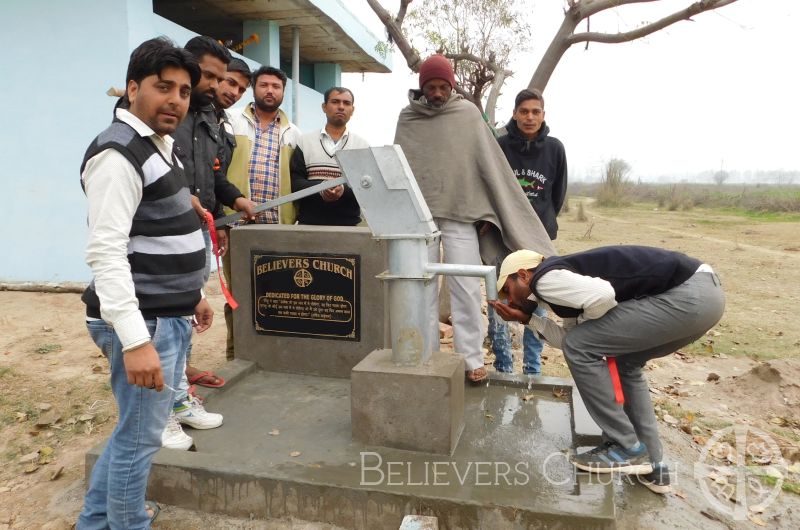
474 197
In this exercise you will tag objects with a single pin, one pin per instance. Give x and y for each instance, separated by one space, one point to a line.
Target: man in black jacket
540 165
199 145
229 92
621 306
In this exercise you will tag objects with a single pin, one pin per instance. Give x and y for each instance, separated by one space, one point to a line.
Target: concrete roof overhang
329 33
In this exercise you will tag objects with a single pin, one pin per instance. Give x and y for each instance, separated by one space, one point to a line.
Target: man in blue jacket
540 165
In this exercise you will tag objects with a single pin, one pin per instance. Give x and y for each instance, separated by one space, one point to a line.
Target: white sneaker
173 436
193 414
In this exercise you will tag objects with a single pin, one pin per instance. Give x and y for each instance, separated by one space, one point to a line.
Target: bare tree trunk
558 46
494 93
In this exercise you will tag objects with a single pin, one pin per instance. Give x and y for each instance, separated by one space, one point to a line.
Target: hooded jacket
540 166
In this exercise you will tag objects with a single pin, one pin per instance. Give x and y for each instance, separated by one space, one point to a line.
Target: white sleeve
114 190
552 332
565 288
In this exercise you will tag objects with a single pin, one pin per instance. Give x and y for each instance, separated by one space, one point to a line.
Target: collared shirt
330 145
264 168
114 190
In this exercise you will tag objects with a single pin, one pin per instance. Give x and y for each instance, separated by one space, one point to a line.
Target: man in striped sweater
313 162
147 255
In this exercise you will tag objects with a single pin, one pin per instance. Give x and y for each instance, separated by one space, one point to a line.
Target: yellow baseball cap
521 259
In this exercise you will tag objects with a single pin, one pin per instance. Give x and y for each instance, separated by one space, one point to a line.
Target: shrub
581 216
614 184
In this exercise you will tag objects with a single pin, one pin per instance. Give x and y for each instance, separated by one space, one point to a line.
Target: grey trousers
634 332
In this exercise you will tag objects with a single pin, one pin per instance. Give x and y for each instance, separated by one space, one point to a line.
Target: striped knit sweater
312 163
166 250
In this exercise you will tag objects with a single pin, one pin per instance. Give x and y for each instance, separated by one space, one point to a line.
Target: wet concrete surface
285 449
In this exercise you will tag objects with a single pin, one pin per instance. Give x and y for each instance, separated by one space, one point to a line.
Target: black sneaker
658 480
612 457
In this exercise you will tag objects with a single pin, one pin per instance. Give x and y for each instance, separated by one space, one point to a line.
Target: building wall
56 69
60 59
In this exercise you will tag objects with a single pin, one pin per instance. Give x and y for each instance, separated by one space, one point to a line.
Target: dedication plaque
307 295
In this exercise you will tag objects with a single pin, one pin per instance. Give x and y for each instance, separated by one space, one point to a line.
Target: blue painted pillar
268 50
327 75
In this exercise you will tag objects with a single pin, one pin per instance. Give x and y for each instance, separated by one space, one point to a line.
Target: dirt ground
55 401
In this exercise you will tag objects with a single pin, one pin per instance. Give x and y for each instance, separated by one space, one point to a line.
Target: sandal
152 507
200 377
192 391
477 376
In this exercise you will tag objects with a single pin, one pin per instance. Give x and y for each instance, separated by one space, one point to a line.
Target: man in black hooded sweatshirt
540 165
538 160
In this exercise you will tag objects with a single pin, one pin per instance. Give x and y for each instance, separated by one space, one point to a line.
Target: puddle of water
511 406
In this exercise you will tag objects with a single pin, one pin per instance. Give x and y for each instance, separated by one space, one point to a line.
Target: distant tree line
779 177
616 189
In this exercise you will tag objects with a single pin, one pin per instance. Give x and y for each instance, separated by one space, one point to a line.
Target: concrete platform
508 471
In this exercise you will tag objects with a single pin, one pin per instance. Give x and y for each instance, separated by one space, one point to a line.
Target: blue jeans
116 495
183 385
501 345
182 388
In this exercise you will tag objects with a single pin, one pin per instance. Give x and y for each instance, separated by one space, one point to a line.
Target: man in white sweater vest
313 160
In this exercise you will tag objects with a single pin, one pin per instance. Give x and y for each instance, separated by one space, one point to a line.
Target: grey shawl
464 175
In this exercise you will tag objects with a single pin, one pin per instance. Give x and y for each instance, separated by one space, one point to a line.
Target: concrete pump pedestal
301 440
508 472
417 408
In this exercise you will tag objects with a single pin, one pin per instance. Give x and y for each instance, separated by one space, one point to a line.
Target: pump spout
487 272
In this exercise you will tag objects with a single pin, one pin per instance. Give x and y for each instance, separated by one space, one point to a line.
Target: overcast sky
717 92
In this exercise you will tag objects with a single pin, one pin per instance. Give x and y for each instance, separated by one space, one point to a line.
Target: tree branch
586 9
683 14
466 56
460 90
402 13
581 9
396 34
